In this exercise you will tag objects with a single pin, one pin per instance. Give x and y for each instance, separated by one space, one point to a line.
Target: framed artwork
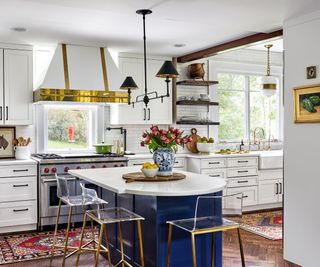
7 135
307 104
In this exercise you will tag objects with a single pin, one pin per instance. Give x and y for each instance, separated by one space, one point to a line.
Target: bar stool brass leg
108 247
55 232
213 252
241 248
193 244
169 245
121 244
81 237
67 237
99 245
140 242
93 234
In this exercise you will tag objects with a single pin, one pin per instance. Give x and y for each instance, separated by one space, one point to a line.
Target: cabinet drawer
250 196
138 162
215 173
242 182
242 162
270 174
179 162
15 189
18 213
241 172
18 170
213 163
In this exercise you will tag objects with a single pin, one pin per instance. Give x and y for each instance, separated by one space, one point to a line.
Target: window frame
251 69
42 127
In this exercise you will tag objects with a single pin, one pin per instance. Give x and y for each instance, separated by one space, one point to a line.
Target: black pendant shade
167 70
128 83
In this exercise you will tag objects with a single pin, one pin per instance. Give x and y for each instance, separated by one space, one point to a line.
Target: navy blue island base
157 210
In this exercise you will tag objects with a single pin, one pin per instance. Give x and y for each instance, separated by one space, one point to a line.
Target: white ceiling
114 23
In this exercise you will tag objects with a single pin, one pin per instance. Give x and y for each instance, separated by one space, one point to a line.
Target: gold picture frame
307 104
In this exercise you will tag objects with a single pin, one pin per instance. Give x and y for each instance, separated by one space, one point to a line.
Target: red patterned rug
267 224
30 246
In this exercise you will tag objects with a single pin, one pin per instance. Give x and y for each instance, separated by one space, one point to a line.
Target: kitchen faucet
255 141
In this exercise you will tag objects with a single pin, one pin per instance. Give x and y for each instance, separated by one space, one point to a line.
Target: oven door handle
50 180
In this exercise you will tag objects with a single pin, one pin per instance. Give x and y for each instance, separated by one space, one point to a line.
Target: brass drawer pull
20 185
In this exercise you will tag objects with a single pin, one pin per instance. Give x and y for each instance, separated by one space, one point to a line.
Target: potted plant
164 144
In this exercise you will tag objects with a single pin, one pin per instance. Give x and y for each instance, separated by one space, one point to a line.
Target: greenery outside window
69 127
243 108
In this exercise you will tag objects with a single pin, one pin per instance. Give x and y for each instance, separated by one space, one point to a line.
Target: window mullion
247 107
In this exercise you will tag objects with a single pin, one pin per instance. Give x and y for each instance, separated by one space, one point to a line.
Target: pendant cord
268 62
145 55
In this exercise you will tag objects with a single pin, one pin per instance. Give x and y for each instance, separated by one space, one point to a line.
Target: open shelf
196 103
198 122
196 82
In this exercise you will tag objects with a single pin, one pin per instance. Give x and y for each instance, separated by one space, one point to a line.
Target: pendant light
167 71
269 83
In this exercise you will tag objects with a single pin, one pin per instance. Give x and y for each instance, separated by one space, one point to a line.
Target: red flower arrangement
170 138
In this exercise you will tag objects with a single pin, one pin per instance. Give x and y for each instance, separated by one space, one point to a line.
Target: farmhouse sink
270 159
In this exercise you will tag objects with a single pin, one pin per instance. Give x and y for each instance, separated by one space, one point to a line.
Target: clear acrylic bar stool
108 216
204 222
72 201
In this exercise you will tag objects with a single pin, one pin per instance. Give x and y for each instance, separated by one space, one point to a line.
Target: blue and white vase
164 158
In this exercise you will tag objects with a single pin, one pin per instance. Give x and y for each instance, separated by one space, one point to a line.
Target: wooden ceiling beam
211 51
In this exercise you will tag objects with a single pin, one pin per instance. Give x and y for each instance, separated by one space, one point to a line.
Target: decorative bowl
150 173
205 147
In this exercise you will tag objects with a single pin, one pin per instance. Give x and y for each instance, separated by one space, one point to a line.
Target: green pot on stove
103 148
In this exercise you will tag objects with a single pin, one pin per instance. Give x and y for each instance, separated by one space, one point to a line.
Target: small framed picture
311 72
307 104
7 135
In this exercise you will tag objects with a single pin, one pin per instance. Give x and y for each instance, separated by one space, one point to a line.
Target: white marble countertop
12 162
111 179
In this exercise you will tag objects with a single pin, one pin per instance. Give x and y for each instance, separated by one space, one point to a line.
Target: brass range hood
81 74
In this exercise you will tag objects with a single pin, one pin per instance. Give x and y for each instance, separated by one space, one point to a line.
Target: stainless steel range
51 164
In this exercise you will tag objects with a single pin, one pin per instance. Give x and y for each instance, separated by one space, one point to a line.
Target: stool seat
203 224
113 215
79 200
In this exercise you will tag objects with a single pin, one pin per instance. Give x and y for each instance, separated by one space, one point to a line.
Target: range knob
54 170
122 165
66 169
115 165
78 168
104 166
93 167
46 170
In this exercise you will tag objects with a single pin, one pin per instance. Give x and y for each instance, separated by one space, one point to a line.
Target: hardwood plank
211 51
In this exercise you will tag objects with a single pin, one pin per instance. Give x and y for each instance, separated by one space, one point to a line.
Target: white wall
301 147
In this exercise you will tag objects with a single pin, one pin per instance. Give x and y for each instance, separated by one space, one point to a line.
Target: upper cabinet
16 87
156 112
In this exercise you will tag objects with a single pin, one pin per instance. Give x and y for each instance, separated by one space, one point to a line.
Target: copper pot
196 71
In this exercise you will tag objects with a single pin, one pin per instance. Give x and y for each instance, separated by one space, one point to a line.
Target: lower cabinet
270 186
250 195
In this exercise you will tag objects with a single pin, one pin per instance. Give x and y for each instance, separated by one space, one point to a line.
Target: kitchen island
158 202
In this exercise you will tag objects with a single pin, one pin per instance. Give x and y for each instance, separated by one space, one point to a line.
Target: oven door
49 201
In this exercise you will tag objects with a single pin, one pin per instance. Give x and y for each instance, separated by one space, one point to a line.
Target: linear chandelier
167 71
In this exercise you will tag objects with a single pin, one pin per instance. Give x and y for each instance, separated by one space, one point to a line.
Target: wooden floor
259 251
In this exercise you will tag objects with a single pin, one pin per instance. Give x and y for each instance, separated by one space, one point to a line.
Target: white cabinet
18 197
16 87
250 196
179 163
156 112
270 186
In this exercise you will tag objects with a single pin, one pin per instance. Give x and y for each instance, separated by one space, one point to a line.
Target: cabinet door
1 89
125 114
18 87
268 191
250 196
158 112
280 195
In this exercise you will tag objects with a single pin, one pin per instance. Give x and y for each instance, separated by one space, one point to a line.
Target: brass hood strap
104 69
65 66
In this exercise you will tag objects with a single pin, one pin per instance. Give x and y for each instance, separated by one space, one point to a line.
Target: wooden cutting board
139 177
192 146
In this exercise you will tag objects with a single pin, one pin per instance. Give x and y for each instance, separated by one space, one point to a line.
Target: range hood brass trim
82 96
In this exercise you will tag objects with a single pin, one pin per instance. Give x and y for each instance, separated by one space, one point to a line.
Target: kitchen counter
158 203
13 162
111 179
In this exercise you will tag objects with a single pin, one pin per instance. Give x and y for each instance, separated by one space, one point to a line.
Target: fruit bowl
205 147
150 173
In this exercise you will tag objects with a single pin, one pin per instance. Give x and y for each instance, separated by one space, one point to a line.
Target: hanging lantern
269 83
